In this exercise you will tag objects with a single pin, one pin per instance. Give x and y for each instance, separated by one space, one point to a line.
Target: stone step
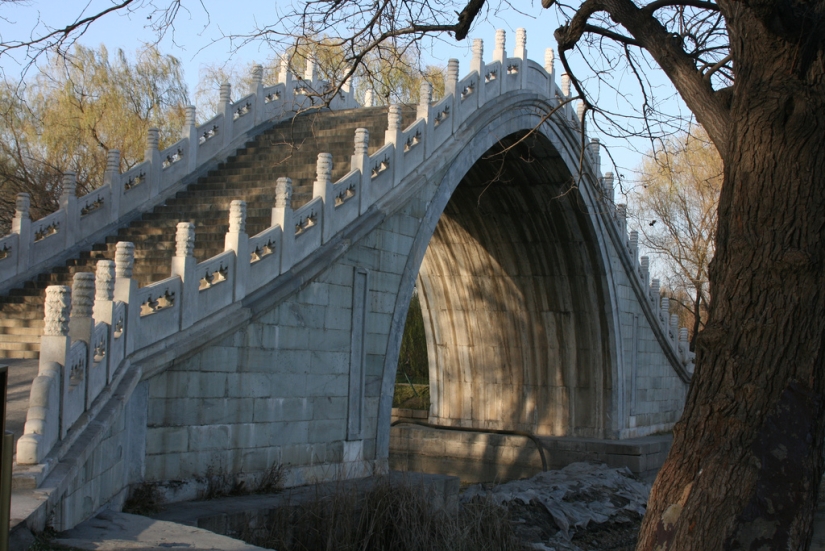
288 149
11 323
12 339
21 354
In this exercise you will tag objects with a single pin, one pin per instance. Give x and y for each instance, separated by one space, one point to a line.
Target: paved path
110 531
21 375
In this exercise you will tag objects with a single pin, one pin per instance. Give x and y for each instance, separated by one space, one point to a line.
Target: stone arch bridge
216 316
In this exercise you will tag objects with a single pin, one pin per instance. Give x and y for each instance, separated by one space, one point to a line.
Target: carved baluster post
520 53
256 86
82 324
369 98
634 249
190 134
394 136
183 266
282 216
580 114
125 289
451 82
104 291
595 155
664 312
565 94
684 346
112 178
621 220
124 265
565 86
477 65
646 273
228 115
68 203
607 183
346 91
42 428
237 240
425 96
360 161
521 44
310 73
451 89
499 53
152 156
674 328
654 297
104 308
549 66
21 224
55 343
284 74
322 187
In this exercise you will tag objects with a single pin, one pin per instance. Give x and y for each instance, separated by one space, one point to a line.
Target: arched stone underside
512 295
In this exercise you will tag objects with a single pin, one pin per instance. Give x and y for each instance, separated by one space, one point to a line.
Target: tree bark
746 459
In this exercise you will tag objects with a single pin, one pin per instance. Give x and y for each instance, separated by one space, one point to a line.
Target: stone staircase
288 149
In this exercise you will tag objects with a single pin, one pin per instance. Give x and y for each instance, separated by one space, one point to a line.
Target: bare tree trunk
746 459
697 317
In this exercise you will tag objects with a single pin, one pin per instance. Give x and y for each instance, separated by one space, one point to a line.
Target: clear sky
196 39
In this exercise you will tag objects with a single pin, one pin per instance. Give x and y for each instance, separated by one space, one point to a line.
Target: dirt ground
536 528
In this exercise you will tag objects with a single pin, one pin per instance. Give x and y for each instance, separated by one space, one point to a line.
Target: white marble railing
24 250
81 352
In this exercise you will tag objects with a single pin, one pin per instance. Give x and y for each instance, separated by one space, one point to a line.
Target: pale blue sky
199 26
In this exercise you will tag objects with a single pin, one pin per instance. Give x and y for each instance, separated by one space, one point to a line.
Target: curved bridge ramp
244 317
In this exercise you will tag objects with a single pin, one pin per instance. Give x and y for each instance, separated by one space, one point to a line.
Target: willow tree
68 115
675 207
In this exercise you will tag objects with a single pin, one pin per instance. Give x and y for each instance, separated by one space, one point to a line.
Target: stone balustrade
82 353
31 243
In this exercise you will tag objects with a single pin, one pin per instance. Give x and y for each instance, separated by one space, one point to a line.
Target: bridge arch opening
511 289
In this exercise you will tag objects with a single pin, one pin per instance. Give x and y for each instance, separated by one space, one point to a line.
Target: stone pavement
21 375
110 531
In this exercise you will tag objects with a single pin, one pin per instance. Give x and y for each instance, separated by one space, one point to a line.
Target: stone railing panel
306 232
210 138
535 77
380 176
98 367
492 81
117 338
73 401
466 97
342 204
243 113
48 237
511 74
155 312
173 163
274 101
215 279
134 187
9 255
265 257
411 149
95 210
439 124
